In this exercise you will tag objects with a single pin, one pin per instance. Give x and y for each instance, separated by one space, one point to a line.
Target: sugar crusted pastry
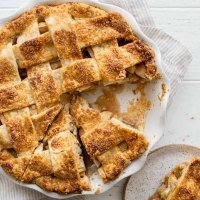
57 159
45 53
183 183
111 144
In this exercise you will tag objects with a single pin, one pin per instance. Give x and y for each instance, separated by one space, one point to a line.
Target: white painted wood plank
183 117
10 3
174 3
6 12
184 25
152 3
114 193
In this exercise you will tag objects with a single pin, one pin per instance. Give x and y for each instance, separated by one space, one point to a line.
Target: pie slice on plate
183 183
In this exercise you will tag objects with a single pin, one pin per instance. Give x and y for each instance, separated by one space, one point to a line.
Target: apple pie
48 52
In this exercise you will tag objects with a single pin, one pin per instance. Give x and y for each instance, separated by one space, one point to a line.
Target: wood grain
152 3
174 3
184 25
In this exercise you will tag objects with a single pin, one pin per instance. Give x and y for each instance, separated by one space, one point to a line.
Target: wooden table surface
181 19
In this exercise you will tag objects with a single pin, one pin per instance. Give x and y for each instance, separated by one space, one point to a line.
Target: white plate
156 116
159 163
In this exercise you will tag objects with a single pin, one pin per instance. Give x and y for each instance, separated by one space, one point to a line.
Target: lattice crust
60 161
44 53
61 33
110 143
183 183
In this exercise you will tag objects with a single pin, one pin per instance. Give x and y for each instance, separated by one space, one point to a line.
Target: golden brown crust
67 186
8 65
109 142
39 165
43 86
65 165
95 141
16 27
189 186
23 136
45 182
62 33
59 185
38 49
8 71
66 158
13 97
35 51
63 186
113 162
5 140
62 123
73 79
138 52
81 10
65 155
21 130
100 29
169 183
62 141
80 110
109 61
66 45
5 156
85 116
16 167
43 120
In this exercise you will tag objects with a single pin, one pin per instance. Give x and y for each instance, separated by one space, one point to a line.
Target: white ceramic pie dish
156 117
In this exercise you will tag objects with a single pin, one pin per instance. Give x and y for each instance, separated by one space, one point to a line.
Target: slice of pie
111 144
183 183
